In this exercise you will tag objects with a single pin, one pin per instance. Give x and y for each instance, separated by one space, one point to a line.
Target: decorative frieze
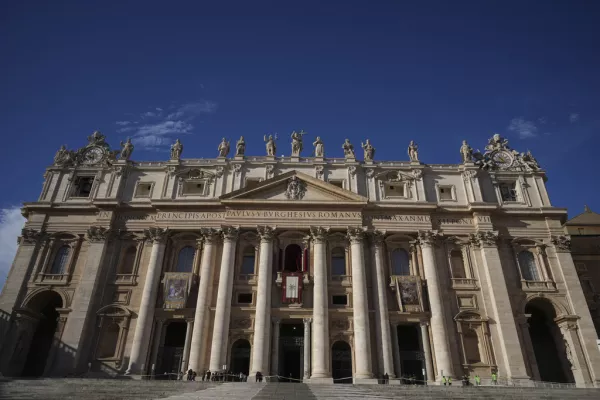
319 234
484 238
562 243
266 233
97 234
156 234
377 237
209 235
428 238
29 236
230 233
355 234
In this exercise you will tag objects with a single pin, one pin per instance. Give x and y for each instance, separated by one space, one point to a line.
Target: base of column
365 381
319 381
521 381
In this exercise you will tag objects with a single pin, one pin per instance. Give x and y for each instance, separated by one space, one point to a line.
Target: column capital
424 324
567 322
230 233
307 321
562 243
156 235
209 235
484 238
319 234
98 234
428 238
355 234
377 237
29 236
276 320
266 233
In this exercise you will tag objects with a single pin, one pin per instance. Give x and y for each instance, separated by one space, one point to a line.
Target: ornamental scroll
176 289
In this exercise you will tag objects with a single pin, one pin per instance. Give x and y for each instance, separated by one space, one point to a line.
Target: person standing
477 380
494 378
444 380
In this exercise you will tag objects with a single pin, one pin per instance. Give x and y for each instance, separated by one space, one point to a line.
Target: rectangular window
244 298
508 191
143 190
394 190
445 193
83 186
579 266
338 183
339 300
251 183
193 188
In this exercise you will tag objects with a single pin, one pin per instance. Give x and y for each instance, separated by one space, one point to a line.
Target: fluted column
262 317
396 349
306 348
275 349
210 237
360 307
156 343
139 347
187 344
221 326
438 312
320 325
384 348
430 376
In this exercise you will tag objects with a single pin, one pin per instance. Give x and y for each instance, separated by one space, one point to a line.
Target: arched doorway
341 362
172 351
293 258
547 341
45 305
240 357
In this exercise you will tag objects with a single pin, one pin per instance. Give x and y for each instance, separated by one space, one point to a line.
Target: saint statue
497 142
297 143
176 150
369 150
62 155
466 152
530 161
413 151
319 147
223 148
348 149
271 146
126 149
240 147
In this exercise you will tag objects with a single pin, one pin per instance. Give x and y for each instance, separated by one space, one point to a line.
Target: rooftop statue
240 147
466 152
223 148
126 149
271 146
348 149
176 150
368 149
319 147
297 143
413 151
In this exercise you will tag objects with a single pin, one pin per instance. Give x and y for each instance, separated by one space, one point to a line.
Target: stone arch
341 361
240 351
560 306
30 301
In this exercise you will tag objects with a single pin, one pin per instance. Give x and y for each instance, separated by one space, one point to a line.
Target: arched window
128 261
400 262
338 261
248 261
59 266
109 338
471 342
458 264
529 270
185 260
293 258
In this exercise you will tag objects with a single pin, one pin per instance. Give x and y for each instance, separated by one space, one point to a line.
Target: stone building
316 268
584 230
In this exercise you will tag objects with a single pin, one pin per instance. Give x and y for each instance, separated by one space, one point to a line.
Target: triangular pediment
294 187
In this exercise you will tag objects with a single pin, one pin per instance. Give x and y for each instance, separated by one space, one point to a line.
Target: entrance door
172 351
411 355
291 345
240 357
341 362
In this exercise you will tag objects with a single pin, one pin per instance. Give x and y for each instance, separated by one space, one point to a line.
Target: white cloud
574 117
525 129
164 128
11 223
158 109
194 109
123 123
543 120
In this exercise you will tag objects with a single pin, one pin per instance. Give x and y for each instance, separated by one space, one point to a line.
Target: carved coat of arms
296 189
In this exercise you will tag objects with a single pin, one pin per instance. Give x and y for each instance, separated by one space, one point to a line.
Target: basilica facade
315 268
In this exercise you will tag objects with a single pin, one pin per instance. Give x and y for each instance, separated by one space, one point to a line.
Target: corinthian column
262 318
210 237
221 325
306 348
438 313
362 347
382 319
320 325
143 326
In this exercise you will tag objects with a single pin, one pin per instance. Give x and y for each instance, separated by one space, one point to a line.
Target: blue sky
436 72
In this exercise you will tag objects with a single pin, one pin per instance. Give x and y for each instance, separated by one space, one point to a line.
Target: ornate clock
502 159
93 155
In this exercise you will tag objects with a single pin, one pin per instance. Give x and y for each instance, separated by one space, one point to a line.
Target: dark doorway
291 345
45 304
545 336
293 258
411 355
240 357
341 362
172 350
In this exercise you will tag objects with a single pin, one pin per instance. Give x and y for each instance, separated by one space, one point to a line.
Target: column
262 317
430 376
575 360
210 237
362 348
509 346
306 348
187 345
224 292
158 338
80 324
438 312
275 349
320 324
528 347
139 347
396 349
382 319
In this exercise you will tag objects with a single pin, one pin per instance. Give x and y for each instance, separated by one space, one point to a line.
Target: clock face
502 159
93 155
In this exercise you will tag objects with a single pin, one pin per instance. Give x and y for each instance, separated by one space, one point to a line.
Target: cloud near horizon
525 129
11 223
155 131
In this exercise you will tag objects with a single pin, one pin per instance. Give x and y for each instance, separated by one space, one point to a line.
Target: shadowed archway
341 362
